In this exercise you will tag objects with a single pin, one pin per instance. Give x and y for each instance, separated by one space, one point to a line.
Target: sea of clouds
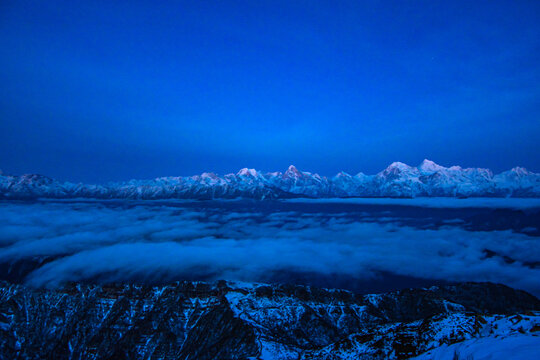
434 202
156 242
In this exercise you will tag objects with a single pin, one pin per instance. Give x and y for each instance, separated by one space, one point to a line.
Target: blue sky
110 90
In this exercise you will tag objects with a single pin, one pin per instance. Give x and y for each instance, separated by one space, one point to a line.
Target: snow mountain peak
342 174
520 170
292 171
430 166
248 172
398 165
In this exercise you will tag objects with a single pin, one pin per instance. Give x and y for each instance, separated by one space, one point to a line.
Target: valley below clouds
360 246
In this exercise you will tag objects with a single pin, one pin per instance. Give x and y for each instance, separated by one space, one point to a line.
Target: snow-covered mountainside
397 180
223 320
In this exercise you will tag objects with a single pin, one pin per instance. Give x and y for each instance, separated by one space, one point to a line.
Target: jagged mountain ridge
227 320
397 180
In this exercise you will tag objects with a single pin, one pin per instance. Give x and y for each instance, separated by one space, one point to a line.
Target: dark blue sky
111 90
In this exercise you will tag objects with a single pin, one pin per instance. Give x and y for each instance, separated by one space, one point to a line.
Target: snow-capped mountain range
398 180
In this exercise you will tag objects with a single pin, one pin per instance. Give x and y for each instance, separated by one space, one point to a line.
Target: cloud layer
156 242
435 202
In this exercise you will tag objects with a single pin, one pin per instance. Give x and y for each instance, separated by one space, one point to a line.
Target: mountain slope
194 320
397 180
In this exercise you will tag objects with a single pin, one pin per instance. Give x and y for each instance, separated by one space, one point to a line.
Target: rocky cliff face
397 180
194 320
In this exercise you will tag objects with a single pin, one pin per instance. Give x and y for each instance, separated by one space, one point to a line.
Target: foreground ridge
397 180
227 320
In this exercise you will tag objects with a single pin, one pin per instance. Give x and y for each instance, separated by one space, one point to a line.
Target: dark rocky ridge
195 320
